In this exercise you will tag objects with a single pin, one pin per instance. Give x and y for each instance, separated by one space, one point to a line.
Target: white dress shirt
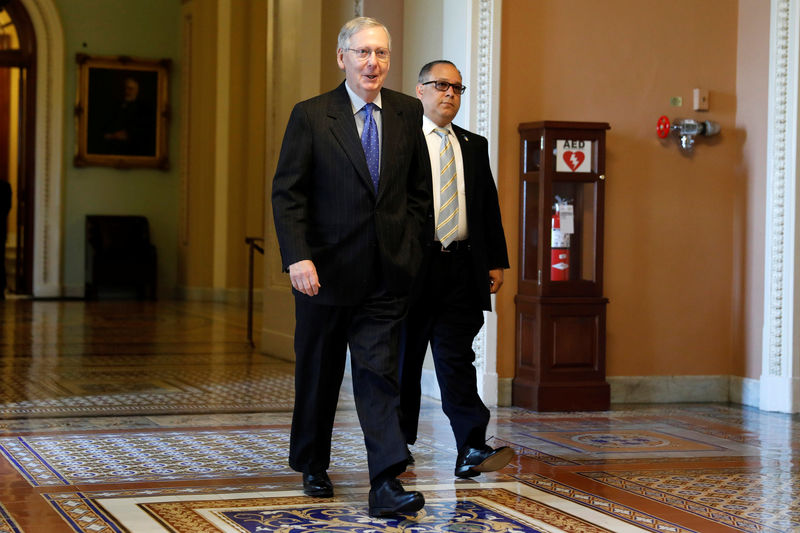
358 104
434 145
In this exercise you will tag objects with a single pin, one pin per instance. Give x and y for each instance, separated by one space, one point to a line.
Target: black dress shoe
472 461
391 499
317 485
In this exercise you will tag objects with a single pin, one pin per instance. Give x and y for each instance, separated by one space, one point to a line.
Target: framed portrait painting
122 112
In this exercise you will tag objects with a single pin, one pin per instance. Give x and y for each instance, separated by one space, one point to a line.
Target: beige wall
750 182
296 42
196 239
334 14
673 222
225 155
246 195
423 18
390 13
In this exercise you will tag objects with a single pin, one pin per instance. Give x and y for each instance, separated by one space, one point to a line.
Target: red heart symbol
574 159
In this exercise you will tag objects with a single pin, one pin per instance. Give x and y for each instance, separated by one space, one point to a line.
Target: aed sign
573 155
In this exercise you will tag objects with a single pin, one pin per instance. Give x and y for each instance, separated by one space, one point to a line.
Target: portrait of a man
122 118
122 112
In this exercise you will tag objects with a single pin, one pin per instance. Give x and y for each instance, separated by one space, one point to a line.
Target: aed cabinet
560 307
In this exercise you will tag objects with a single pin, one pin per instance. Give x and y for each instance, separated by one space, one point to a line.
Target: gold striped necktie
447 225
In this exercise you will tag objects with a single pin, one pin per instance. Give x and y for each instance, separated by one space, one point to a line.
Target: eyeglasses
441 85
381 54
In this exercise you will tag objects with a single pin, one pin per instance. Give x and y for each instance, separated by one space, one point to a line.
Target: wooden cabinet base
561 354
561 397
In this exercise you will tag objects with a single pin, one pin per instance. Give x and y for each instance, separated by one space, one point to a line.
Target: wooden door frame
24 59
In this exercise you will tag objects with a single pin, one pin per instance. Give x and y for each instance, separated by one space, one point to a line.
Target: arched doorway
17 119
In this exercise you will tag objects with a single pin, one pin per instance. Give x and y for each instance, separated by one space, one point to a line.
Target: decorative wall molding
776 173
484 68
49 147
779 356
487 72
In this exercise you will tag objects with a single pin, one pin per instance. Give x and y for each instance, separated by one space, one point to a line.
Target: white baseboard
669 389
279 344
504 391
79 291
430 387
73 291
222 295
779 393
192 294
745 391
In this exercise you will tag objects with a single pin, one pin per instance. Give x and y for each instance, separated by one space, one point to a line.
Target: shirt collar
357 102
428 126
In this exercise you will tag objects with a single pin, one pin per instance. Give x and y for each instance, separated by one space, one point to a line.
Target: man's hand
495 280
304 277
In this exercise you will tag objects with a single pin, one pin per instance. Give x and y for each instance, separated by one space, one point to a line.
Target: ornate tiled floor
142 417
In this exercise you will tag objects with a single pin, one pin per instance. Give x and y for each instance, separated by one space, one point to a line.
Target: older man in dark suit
463 264
349 202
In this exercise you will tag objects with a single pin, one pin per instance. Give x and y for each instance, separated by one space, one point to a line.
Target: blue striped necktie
369 140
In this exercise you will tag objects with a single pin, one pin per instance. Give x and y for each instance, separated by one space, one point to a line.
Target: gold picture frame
122 112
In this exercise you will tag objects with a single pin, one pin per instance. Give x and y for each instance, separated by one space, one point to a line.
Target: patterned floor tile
7 525
500 507
622 439
155 390
173 456
729 496
160 456
602 504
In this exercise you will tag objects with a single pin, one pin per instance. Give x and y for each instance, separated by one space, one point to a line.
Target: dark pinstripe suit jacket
324 204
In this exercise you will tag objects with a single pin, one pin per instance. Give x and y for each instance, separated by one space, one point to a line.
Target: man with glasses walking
349 203
463 263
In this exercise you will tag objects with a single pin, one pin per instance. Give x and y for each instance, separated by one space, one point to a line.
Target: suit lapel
392 128
466 157
343 128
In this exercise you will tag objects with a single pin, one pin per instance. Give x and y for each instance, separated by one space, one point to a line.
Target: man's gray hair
354 26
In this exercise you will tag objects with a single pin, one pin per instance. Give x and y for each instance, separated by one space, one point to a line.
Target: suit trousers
323 332
448 316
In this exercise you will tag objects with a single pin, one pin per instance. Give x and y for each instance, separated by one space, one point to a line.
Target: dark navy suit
366 250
